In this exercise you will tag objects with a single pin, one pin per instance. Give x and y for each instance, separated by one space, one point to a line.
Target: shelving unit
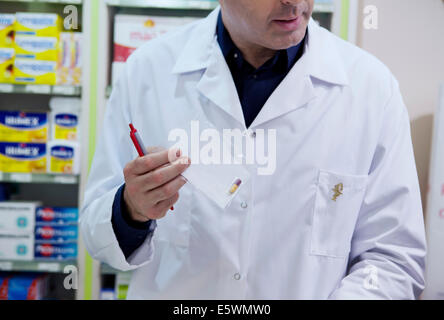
49 189
6 177
73 91
36 266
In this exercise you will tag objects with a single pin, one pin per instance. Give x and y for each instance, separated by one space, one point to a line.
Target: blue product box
56 233
23 287
56 215
55 251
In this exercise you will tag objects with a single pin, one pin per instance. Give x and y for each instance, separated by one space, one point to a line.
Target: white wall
410 41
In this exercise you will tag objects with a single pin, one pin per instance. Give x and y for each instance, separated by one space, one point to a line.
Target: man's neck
252 53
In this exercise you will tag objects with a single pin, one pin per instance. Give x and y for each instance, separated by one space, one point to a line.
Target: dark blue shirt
254 87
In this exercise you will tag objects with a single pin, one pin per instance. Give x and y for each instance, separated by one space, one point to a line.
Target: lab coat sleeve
114 150
387 257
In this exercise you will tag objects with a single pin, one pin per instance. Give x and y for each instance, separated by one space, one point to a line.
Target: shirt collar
291 55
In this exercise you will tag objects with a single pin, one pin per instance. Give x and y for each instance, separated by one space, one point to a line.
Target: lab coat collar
320 60
324 63
197 51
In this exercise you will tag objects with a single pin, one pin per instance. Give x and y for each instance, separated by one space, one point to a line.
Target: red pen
138 143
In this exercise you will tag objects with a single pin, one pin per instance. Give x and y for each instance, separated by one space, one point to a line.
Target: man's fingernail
178 153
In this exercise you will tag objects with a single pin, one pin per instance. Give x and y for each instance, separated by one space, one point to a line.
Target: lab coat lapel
216 86
321 61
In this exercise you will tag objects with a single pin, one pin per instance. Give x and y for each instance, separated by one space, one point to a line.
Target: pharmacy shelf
38 178
47 1
165 4
324 7
36 266
40 89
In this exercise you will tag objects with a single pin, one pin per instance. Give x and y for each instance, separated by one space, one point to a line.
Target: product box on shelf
54 251
63 157
17 247
56 233
17 218
7 65
29 286
38 48
69 70
7 21
56 215
28 71
65 116
131 31
23 157
20 126
38 24
64 61
76 60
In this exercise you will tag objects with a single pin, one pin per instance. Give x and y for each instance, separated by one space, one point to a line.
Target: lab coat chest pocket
336 208
174 228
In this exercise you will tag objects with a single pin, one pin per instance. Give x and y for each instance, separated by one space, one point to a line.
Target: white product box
17 247
17 218
64 118
131 31
63 157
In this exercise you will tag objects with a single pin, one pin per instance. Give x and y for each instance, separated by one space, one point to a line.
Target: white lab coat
339 118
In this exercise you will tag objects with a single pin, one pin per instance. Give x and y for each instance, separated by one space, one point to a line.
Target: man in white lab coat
338 217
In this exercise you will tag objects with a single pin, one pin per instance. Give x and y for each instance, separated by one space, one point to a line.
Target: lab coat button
244 205
237 276
253 134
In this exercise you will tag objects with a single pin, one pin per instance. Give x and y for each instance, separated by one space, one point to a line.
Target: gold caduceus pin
337 190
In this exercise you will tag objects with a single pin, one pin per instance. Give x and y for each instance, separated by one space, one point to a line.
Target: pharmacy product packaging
56 215
29 286
64 61
17 247
131 31
20 126
63 157
29 71
56 233
54 251
23 157
7 65
7 21
76 58
69 70
38 48
65 116
38 24
17 218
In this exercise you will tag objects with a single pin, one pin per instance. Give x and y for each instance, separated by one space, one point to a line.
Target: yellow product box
63 157
23 126
38 48
38 24
7 29
6 65
28 71
22 157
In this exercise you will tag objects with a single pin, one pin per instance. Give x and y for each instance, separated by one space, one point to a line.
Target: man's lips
291 24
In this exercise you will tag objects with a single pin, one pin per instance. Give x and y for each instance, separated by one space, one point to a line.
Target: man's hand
152 183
